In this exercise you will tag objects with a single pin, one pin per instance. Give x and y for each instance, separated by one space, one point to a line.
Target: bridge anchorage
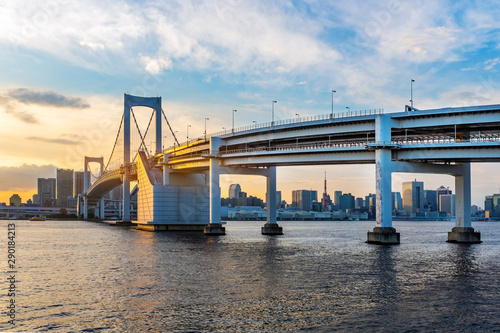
178 187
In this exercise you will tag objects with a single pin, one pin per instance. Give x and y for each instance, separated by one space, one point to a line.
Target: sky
65 65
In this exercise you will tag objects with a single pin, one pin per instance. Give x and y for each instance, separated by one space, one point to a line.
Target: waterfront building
36 201
413 197
346 202
359 203
370 200
336 198
440 191
431 198
447 204
64 188
303 199
234 191
46 192
15 200
397 201
78 185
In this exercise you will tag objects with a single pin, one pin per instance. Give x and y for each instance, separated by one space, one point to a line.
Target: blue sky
206 58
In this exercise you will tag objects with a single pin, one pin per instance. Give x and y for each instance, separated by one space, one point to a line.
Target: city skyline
61 90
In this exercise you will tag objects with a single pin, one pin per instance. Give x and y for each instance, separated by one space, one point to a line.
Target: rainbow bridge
178 186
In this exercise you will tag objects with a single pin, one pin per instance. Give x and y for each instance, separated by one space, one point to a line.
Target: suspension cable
140 134
171 130
116 140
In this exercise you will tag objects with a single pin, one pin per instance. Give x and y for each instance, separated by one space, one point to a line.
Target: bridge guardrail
329 116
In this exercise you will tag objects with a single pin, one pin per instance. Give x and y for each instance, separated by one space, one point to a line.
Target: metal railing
269 125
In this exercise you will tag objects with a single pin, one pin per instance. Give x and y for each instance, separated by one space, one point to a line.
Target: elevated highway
430 141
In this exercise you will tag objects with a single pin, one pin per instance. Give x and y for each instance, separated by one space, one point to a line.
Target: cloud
46 98
490 64
56 141
301 83
155 65
23 116
24 177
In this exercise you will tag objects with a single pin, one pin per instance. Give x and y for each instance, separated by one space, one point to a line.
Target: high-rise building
303 199
370 200
15 200
278 199
78 183
64 186
36 201
447 204
397 201
234 191
346 202
440 191
359 203
431 197
413 197
488 203
46 192
336 198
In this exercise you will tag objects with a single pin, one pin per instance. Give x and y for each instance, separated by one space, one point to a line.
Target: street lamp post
206 128
272 118
233 120
298 116
175 140
411 93
348 109
254 123
187 135
333 91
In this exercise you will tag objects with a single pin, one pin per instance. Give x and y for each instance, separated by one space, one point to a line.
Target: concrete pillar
85 207
214 227
383 233
271 227
158 114
126 159
463 231
101 208
166 170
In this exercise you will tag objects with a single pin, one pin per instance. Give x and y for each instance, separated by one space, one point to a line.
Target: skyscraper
397 201
303 199
78 183
440 191
346 202
234 191
46 191
64 186
447 204
336 198
413 197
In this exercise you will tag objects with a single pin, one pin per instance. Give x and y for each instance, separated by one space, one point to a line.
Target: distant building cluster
413 202
62 191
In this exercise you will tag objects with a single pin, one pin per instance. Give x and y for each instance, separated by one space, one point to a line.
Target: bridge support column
85 207
214 227
383 233
126 199
271 227
166 170
463 231
101 208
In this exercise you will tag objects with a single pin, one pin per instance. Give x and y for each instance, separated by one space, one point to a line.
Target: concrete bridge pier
101 208
214 227
463 231
271 227
383 233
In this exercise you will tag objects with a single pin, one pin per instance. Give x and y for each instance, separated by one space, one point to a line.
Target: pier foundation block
383 236
272 229
214 229
464 235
